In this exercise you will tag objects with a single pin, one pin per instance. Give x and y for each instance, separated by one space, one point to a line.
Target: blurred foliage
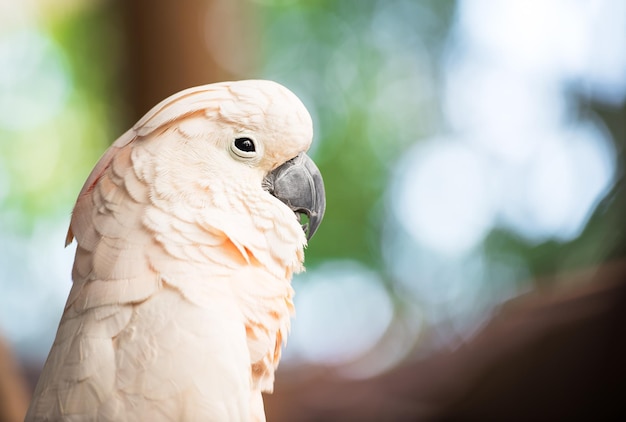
47 161
603 238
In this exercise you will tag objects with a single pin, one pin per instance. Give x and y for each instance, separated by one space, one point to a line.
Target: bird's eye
244 144
243 147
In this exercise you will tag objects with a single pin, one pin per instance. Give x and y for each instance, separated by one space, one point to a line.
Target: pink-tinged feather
103 163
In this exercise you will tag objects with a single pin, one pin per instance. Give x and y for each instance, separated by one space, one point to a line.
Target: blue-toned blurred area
472 150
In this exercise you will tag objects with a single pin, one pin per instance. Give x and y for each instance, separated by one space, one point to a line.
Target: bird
189 230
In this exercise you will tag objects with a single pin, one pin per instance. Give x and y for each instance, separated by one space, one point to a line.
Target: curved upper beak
298 183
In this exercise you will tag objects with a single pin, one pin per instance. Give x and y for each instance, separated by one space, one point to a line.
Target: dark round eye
244 144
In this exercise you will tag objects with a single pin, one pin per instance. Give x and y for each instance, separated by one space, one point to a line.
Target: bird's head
272 130
258 132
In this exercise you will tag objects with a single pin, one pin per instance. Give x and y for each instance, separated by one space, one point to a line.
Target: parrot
188 230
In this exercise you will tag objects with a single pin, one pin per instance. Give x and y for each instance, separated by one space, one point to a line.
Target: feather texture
181 291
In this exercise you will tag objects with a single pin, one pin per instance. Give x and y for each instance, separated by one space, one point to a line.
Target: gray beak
298 183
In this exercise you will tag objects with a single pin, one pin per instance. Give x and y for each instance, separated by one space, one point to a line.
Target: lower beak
298 183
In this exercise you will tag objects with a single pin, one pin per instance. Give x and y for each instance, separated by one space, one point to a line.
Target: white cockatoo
188 233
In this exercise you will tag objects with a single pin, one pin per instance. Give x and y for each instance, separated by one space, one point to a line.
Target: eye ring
244 147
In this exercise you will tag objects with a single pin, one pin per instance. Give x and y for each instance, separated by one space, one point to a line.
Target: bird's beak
298 183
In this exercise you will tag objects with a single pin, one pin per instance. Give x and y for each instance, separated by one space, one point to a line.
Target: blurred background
473 155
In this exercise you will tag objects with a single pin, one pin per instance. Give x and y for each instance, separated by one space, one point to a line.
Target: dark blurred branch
169 46
555 355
